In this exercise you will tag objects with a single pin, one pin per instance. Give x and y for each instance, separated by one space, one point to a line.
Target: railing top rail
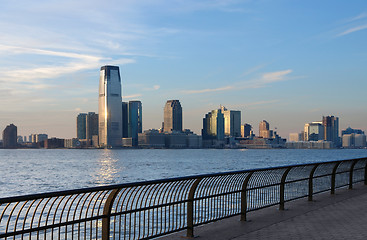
134 184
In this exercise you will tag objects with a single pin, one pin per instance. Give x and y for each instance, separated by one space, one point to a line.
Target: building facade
91 125
246 130
314 131
213 125
331 129
232 122
264 130
125 119
10 134
110 109
135 125
172 116
81 126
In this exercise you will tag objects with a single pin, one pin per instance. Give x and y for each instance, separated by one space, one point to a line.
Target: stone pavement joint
339 216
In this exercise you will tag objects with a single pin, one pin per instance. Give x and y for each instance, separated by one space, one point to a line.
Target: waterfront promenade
339 216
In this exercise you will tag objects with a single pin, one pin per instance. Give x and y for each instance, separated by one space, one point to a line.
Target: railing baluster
333 175
190 209
351 174
310 183
282 186
106 220
244 197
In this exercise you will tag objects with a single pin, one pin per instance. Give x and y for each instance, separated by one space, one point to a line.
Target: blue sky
288 62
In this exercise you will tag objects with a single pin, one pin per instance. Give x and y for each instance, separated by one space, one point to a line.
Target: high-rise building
81 126
313 131
213 125
125 119
246 130
110 109
295 137
331 129
350 130
232 122
172 116
264 131
135 125
10 136
91 125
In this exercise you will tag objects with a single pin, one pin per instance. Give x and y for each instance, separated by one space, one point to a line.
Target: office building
314 131
331 129
135 125
350 130
264 131
232 122
125 119
37 138
81 126
213 125
91 125
246 130
110 109
10 136
295 137
353 140
172 116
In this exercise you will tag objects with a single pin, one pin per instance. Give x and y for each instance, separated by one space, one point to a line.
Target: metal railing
154 208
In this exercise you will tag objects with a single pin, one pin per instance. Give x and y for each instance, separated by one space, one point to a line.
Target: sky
289 62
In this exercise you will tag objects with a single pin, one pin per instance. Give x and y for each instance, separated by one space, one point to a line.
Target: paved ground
339 216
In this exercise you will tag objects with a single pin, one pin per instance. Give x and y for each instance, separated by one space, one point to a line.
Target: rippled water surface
27 171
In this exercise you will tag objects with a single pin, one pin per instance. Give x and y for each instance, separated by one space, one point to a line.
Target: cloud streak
352 30
263 81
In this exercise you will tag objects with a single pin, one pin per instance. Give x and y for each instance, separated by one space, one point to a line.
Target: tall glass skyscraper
172 116
213 125
110 107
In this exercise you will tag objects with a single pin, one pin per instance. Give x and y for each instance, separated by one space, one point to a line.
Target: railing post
244 197
107 213
282 186
310 183
365 173
190 209
351 174
333 176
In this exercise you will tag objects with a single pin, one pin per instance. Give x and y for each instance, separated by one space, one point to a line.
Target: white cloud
265 79
131 96
352 30
208 90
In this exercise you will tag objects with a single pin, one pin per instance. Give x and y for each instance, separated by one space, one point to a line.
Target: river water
28 171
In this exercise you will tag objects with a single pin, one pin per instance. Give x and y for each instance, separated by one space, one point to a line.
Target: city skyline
288 62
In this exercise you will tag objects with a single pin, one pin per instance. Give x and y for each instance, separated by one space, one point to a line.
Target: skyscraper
313 131
10 136
110 109
172 116
264 131
81 126
232 122
91 125
331 129
125 119
246 130
135 121
213 125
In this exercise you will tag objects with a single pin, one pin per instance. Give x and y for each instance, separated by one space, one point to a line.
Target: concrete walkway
339 216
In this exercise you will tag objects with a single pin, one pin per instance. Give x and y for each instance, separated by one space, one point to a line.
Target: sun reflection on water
107 170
